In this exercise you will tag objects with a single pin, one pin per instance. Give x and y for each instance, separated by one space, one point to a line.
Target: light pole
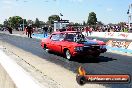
61 16
129 16
23 24
23 17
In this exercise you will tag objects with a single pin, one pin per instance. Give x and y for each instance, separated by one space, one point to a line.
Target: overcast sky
107 11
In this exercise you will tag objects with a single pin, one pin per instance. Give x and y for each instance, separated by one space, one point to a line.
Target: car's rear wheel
46 49
68 54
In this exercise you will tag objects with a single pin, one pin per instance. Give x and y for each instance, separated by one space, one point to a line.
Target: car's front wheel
68 54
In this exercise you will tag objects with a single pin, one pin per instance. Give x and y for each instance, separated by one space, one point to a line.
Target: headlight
79 48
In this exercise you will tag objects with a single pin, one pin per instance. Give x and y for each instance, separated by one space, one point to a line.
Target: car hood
90 42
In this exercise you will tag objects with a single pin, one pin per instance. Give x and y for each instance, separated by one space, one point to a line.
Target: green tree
84 23
53 18
29 22
111 24
92 19
6 23
1 25
42 23
15 21
100 23
37 22
77 24
21 23
122 23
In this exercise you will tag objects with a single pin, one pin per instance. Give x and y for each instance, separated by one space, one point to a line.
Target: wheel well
44 45
64 50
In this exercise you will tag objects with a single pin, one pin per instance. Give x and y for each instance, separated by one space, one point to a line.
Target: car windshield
75 37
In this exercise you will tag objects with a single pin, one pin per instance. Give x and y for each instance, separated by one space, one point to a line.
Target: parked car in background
73 43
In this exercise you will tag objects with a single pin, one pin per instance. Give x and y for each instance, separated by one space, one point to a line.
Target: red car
73 43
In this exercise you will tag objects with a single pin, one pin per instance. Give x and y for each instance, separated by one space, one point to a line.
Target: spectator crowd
87 29
103 28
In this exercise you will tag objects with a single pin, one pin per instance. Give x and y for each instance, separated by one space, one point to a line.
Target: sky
107 11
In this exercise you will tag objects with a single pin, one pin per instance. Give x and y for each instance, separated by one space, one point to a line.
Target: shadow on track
87 59
93 60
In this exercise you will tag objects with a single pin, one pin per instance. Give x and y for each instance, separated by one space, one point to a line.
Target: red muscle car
73 43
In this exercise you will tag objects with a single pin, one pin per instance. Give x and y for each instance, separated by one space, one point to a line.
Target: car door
55 43
60 43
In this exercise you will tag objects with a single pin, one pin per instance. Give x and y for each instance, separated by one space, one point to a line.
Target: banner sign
130 46
118 44
117 35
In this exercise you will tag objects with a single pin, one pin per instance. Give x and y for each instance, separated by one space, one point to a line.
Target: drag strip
107 63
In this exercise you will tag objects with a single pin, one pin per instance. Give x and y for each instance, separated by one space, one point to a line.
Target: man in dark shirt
29 30
45 31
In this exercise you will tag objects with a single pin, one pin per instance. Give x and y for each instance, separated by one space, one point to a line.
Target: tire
68 54
96 55
81 80
46 49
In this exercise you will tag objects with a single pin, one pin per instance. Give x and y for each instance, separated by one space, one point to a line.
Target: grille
86 48
92 47
95 47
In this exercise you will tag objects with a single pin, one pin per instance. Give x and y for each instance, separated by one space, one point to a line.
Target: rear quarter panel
45 41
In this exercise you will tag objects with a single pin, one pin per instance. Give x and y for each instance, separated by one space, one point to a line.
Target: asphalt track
107 63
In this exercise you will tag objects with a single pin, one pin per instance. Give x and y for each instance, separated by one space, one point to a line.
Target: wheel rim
47 50
68 55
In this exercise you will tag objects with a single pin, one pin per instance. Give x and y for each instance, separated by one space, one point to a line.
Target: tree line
17 21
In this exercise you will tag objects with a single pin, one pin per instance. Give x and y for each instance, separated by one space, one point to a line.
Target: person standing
25 31
50 29
45 31
29 31
87 30
69 28
90 30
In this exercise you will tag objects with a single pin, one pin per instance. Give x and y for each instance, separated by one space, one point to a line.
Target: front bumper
89 52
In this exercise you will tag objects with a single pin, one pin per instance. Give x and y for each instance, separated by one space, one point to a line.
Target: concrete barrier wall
121 46
117 35
5 80
19 76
